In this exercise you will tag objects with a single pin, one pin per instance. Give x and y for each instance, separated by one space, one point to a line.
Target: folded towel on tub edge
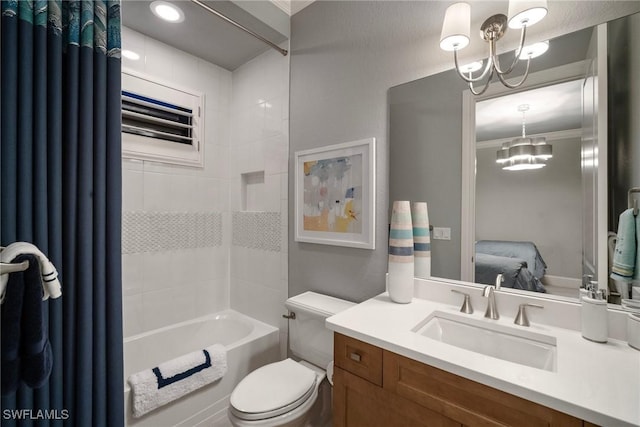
175 378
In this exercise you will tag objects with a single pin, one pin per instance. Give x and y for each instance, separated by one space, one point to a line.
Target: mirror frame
539 79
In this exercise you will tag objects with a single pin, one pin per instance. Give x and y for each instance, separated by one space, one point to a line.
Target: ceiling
551 109
207 36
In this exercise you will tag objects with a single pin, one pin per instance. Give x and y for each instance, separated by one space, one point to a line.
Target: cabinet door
466 401
359 403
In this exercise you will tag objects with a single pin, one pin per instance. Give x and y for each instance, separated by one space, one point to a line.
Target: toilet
289 392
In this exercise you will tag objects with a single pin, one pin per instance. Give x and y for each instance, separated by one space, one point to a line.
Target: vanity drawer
359 358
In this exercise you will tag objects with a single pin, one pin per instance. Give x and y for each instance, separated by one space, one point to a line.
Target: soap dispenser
594 315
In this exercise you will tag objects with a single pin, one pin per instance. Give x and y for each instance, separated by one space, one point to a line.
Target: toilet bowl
278 394
293 393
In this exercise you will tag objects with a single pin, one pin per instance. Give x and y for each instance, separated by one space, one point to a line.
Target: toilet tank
309 339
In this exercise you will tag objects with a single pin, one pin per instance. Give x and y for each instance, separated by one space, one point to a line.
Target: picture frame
335 194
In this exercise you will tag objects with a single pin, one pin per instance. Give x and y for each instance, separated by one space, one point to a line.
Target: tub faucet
489 292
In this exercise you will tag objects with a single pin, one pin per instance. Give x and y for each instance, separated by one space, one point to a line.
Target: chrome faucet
489 292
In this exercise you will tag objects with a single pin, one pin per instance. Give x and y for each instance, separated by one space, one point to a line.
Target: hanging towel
26 350
35 349
626 250
10 328
171 380
50 283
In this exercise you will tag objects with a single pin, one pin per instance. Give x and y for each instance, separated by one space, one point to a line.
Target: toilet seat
272 390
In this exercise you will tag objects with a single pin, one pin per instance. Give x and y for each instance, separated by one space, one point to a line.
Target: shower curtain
60 189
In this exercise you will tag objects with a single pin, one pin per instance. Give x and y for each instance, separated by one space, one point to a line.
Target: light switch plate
441 233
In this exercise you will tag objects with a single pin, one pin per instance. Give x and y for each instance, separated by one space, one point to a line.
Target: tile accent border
257 230
163 231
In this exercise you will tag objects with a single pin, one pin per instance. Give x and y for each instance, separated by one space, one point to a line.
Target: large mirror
443 148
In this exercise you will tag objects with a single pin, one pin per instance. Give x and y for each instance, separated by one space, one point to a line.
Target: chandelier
455 36
524 153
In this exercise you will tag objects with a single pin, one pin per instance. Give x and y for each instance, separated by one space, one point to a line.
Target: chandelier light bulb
520 165
471 67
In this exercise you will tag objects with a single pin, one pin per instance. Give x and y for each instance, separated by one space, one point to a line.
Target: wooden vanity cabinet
374 387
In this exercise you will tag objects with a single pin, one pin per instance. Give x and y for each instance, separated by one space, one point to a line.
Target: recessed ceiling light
129 54
167 11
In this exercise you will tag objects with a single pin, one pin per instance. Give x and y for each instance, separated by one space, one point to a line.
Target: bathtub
249 342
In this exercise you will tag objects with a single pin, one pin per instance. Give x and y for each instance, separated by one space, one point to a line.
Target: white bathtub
249 342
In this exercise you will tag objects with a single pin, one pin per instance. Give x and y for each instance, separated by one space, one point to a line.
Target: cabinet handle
355 356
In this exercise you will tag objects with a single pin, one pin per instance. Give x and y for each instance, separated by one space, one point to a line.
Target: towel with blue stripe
171 380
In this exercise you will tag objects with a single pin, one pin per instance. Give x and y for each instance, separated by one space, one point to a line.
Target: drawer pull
355 356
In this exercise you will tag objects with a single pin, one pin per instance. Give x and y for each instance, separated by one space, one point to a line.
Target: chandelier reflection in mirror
524 153
455 36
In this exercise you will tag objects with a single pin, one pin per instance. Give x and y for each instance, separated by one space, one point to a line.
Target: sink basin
495 340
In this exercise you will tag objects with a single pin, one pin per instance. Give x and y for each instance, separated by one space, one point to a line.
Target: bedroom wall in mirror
540 210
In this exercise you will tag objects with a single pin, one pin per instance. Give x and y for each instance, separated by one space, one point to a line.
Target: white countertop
599 383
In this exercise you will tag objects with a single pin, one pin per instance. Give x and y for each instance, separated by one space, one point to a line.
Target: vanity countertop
599 383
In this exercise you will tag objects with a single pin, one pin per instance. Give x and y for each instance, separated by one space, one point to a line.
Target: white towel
171 380
50 284
624 266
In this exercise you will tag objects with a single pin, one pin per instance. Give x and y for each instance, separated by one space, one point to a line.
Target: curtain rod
284 52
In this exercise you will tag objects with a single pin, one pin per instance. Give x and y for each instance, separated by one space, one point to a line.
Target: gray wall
425 164
543 206
624 110
344 57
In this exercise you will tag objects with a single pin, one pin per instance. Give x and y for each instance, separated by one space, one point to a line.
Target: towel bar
6 268
633 203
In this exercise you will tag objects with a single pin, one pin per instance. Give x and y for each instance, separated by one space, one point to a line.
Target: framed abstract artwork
335 194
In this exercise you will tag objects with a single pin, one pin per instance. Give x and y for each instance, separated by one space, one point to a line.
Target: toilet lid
272 390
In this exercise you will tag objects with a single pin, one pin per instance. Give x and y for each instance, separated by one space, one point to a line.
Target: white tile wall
260 143
257 230
246 130
183 277
149 231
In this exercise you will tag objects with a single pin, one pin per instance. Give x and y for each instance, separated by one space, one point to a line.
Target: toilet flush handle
290 316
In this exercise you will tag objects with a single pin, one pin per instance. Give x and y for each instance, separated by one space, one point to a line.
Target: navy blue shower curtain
60 189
